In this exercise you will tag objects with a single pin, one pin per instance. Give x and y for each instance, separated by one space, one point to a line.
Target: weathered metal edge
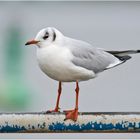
80 113
88 122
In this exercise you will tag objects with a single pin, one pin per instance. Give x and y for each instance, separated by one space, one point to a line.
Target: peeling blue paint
15 128
11 129
71 127
91 126
55 123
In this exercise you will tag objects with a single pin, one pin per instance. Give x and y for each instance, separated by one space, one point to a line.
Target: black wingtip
138 51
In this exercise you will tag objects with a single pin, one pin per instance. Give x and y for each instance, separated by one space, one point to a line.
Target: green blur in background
14 93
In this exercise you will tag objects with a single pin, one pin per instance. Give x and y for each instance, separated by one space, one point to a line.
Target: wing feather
86 56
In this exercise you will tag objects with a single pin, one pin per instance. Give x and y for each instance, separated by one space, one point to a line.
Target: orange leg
73 114
58 99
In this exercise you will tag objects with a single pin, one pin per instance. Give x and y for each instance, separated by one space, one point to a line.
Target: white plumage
65 59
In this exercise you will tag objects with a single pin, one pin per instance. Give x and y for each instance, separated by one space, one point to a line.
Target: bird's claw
71 114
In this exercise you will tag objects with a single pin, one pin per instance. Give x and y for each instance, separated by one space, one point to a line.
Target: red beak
31 42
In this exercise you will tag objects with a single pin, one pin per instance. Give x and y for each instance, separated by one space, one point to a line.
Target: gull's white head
46 37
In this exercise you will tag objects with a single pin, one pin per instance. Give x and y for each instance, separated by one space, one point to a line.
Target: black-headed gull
69 60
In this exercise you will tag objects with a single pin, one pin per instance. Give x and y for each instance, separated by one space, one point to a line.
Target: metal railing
93 122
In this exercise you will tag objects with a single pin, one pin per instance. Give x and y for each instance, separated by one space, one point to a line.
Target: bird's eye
46 35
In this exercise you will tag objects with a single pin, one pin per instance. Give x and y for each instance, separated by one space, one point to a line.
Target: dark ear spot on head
46 35
54 35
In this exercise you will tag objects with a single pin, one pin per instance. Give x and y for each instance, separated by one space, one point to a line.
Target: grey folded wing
86 56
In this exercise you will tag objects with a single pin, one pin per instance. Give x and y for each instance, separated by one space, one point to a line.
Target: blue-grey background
108 25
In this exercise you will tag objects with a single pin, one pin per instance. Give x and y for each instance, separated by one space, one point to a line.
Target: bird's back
89 57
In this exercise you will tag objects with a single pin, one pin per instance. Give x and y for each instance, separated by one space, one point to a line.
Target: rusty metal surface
94 122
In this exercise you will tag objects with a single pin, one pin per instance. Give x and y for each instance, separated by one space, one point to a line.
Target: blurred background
108 25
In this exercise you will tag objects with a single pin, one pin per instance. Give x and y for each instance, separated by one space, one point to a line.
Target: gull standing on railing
69 60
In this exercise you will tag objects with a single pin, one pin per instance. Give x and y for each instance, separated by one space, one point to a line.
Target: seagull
66 59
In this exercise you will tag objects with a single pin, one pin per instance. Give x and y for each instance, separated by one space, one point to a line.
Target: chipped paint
54 122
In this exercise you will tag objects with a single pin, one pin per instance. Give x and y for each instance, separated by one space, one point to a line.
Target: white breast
56 63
